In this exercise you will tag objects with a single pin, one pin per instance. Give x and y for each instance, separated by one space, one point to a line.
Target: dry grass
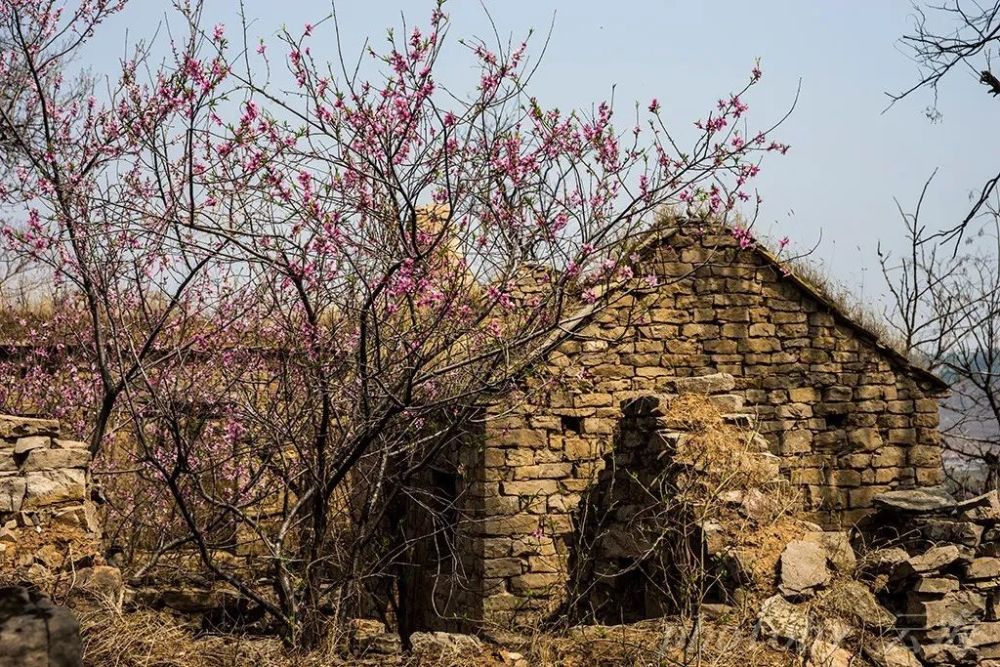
658 642
157 639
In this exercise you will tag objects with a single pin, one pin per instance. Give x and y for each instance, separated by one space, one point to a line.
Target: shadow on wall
637 552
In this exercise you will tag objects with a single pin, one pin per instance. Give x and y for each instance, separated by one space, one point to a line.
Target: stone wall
943 574
848 418
43 477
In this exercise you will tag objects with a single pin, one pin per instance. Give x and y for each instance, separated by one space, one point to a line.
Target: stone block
502 567
935 586
837 547
543 471
536 582
983 568
69 444
864 439
518 524
523 438
889 457
518 457
796 442
12 490
953 610
705 384
496 547
803 569
535 487
28 443
16 427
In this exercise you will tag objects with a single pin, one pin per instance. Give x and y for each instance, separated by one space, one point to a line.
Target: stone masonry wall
848 419
42 476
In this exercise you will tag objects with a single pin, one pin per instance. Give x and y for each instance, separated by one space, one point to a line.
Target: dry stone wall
848 419
43 477
941 572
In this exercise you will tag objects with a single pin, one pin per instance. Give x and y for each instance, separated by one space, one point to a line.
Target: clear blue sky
848 159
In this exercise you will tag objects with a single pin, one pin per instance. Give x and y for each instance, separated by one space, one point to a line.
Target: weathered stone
502 567
796 442
887 652
12 491
953 610
705 384
196 600
714 538
884 561
36 633
783 621
838 549
51 487
983 634
84 516
69 444
864 439
369 637
28 443
983 568
947 530
102 581
53 459
15 427
935 586
947 654
915 500
981 509
826 654
436 645
803 569
932 560
857 600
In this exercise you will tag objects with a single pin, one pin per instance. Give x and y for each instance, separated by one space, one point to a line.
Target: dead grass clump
660 642
718 451
728 464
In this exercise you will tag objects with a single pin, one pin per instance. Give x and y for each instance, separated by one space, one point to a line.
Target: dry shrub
147 638
726 462
718 451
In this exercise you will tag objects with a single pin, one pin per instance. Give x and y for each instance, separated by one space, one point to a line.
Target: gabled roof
660 234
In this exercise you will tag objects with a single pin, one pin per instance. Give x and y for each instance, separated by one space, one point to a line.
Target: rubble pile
935 564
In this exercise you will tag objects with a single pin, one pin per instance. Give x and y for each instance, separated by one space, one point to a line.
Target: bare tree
950 39
945 312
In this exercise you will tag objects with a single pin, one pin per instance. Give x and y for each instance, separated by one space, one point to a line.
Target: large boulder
36 633
803 569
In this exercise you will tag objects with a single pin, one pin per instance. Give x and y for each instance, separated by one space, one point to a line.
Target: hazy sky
848 158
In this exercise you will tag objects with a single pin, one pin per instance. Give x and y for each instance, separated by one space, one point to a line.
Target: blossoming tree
283 305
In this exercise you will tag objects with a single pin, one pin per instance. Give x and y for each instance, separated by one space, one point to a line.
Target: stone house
847 416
